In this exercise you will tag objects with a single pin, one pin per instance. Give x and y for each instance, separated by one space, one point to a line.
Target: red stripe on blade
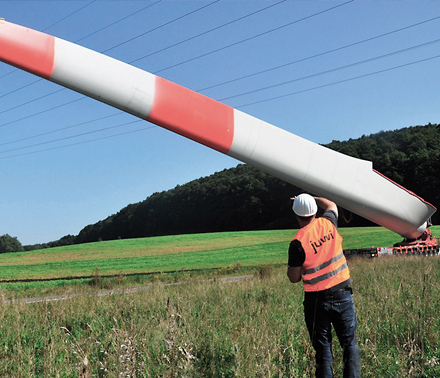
192 115
27 49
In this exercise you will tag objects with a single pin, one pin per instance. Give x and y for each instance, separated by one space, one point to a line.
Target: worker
316 257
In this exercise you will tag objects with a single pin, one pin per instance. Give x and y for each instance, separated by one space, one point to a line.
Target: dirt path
118 291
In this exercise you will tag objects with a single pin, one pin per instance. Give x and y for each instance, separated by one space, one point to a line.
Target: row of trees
244 198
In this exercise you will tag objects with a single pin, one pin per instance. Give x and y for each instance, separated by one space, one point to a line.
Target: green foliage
65 240
9 244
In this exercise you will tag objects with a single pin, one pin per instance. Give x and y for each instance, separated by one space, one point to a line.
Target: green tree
10 244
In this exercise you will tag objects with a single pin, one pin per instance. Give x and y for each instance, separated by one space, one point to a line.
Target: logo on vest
321 241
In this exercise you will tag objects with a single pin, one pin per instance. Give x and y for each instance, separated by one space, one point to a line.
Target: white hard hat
304 205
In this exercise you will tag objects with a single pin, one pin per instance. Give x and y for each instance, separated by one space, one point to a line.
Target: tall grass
251 328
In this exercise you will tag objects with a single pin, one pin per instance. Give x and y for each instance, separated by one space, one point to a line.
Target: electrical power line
42 111
117 21
338 82
161 26
335 69
62 129
71 136
77 143
70 14
18 89
29 102
320 54
255 36
207 32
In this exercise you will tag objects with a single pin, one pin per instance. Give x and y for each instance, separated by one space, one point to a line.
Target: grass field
170 253
207 252
251 328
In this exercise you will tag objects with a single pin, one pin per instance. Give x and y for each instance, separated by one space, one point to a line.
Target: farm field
124 263
170 253
249 328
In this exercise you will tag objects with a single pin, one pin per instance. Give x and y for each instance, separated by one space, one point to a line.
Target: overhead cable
117 21
42 111
320 54
334 69
255 36
207 32
161 26
71 136
64 18
62 129
77 143
338 82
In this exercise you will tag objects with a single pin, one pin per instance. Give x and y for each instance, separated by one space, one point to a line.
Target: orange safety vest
325 265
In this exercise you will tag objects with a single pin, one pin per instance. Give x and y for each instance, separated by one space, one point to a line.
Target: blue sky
324 70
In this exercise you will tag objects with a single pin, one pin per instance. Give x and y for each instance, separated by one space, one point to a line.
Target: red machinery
425 245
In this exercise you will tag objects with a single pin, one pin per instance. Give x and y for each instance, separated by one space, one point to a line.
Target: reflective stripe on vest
325 265
326 275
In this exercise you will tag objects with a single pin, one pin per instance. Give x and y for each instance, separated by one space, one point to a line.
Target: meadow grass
201 328
178 253
171 253
156 254
250 328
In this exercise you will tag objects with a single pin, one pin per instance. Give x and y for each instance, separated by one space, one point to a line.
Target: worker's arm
296 259
325 204
294 274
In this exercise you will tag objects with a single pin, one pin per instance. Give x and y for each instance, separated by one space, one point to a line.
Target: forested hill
241 198
244 198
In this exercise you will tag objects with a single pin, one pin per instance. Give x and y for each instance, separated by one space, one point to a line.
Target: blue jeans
321 311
